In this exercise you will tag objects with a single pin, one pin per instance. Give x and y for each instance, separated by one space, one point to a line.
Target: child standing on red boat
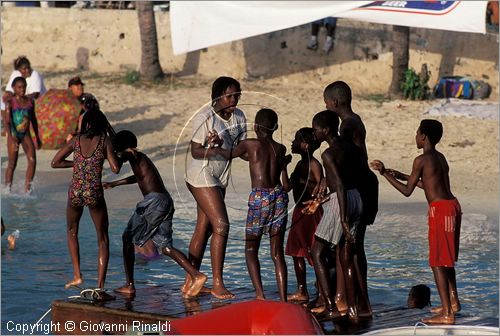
305 177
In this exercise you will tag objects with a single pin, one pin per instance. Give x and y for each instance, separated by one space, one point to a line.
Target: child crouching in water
152 218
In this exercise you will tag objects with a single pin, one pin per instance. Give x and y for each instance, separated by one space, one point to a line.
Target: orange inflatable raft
247 318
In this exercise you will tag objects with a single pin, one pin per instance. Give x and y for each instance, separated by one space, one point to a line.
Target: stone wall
61 39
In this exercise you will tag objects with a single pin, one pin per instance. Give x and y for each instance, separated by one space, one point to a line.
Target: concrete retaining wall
61 39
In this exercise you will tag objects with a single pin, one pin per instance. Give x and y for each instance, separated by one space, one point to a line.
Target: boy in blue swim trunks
152 219
268 201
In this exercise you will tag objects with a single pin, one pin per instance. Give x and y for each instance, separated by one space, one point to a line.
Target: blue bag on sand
454 87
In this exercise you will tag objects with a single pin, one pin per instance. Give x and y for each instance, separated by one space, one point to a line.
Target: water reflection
34 274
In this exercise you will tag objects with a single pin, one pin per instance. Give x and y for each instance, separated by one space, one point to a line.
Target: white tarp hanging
200 24
464 16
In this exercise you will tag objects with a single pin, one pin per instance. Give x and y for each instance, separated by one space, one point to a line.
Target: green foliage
131 77
415 86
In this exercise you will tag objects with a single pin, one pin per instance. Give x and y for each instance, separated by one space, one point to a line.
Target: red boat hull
247 318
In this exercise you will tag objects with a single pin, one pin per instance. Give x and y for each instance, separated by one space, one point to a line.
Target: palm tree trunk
150 63
400 59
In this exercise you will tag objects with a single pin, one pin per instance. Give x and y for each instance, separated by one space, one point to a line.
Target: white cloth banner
464 16
200 24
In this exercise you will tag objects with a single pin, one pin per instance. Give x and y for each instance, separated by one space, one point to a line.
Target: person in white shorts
342 213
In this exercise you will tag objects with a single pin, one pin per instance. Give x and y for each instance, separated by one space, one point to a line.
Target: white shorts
330 226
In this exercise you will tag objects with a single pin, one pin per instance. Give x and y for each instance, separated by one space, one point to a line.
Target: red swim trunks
444 232
301 234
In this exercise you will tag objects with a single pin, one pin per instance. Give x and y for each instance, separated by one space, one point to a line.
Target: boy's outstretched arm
199 152
59 160
127 180
114 163
402 176
413 179
320 189
238 151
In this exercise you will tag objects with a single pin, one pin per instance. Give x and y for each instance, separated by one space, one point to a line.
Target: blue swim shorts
152 219
267 210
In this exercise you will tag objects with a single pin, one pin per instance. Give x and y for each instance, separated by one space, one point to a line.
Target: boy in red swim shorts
431 172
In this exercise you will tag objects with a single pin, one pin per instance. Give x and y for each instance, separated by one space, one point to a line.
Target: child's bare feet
318 309
260 297
341 304
221 293
316 302
363 313
327 314
352 315
298 297
196 285
28 188
127 289
187 283
439 310
75 282
440 319
205 290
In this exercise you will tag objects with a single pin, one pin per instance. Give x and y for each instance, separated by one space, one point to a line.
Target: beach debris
462 144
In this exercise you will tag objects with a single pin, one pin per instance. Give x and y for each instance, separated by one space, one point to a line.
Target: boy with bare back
343 162
268 201
338 97
430 172
152 219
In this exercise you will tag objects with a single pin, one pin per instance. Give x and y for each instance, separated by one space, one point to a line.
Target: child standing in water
305 177
152 219
20 114
268 201
90 148
431 172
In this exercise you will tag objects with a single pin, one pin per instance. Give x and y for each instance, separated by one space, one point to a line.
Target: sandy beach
159 114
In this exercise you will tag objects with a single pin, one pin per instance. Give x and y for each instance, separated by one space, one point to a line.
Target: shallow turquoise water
33 275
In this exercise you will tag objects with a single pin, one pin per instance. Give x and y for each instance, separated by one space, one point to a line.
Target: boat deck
164 303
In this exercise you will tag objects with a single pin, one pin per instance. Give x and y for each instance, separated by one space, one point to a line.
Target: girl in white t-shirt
220 124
